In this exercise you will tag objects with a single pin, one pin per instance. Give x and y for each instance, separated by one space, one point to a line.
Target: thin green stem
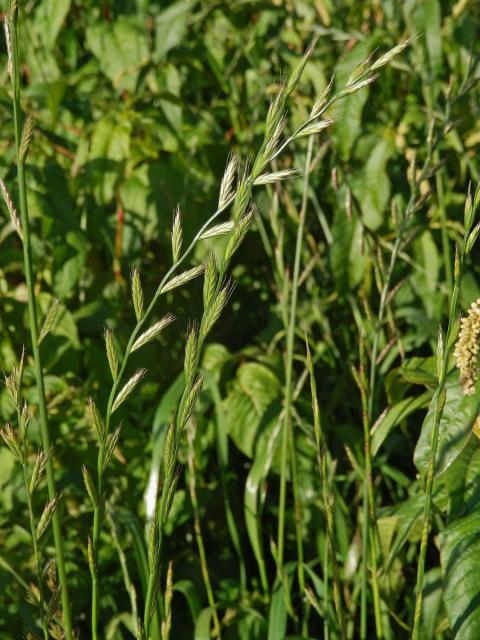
36 553
439 404
287 422
33 323
198 533
328 503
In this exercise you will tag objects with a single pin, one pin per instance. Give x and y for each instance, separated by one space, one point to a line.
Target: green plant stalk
439 407
330 547
33 324
97 518
36 553
199 536
369 511
287 421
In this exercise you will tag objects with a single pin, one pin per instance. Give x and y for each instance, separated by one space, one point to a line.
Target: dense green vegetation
259 429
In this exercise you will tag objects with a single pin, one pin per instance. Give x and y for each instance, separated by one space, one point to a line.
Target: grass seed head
137 294
177 235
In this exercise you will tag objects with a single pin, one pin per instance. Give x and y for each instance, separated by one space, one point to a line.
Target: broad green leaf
348 127
342 236
460 560
277 619
254 497
256 388
190 592
203 624
432 602
171 27
372 187
121 49
456 424
394 417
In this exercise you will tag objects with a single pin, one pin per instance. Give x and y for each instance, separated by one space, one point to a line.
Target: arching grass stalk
22 141
216 294
327 498
444 350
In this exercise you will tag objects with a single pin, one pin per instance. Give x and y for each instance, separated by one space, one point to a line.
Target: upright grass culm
328 505
22 140
445 348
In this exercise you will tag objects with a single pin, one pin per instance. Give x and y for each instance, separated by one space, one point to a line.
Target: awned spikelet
467 349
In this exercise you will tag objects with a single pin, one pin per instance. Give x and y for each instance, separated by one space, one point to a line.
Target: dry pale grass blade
154 331
128 388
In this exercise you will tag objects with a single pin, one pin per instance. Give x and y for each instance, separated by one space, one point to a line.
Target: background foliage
137 105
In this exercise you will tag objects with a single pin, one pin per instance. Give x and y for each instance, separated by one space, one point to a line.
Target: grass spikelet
212 313
137 294
354 86
316 127
183 278
47 515
128 388
389 55
112 355
218 230
277 176
177 235
191 351
50 320
8 40
110 446
170 452
167 621
154 331
191 401
39 468
10 438
238 234
226 187
26 140
210 280
90 486
15 220
95 419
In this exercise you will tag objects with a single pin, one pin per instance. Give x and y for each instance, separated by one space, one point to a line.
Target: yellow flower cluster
467 348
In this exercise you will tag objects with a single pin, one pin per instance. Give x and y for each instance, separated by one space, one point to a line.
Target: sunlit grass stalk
32 310
328 505
198 529
444 350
